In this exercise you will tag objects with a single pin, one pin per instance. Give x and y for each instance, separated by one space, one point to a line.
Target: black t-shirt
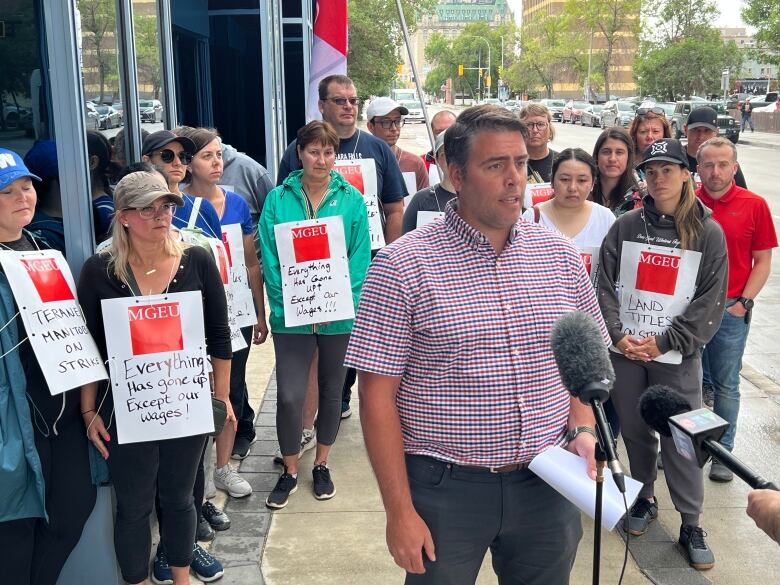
739 178
429 199
540 170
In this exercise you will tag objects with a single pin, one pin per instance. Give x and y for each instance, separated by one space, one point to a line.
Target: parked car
555 107
759 101
727 125
91 116
736 100
415 111
16 117
668 108
618 113
591 116
109 117
120 108
492 102
151 111
572 111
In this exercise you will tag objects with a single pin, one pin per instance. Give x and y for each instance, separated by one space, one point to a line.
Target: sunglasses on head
654 110
168 155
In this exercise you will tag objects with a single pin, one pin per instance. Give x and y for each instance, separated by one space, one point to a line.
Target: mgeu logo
48 280
657 273
310 243
155 328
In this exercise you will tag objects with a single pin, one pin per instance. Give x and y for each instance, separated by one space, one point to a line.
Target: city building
751 67
448 18
570 85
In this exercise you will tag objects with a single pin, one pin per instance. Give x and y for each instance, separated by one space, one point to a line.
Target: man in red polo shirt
750 237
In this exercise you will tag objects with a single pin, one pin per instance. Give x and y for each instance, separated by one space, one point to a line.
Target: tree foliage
98 17
765 17
470 49
613 22
147 53
376 39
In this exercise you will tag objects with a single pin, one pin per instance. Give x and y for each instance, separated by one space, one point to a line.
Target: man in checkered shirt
459 389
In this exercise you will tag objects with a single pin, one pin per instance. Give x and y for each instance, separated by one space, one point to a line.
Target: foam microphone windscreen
580 352
657 404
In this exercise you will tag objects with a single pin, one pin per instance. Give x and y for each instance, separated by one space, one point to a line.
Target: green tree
147 54
98 17
376 41
765 17
615 23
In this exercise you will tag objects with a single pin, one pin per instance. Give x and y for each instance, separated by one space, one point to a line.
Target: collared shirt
468 332
748 227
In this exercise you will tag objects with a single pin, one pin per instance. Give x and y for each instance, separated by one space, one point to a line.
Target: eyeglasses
342 101
654 110
538 125
150 211
387 124
168 155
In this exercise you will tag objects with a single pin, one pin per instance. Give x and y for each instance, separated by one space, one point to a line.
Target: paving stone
250 524
237 550
268 406
242 575
265 433
658 555
688 576
260 464
266 419
264 448
261 482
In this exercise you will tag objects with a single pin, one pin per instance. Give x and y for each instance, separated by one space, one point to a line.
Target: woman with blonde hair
146 257
661 287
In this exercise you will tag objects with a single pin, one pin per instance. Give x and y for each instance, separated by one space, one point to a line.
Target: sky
729 12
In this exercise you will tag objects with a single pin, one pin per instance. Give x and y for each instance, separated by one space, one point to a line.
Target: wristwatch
746 302
572 433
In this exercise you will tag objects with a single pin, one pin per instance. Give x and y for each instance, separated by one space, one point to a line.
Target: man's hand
738 310
407 536
764 508
584 445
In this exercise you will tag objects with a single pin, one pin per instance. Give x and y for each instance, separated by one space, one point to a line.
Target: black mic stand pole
601 460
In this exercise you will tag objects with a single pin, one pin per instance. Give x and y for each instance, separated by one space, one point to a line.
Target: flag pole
405 30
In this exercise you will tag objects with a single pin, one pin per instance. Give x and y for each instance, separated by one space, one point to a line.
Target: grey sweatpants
684 478
294 354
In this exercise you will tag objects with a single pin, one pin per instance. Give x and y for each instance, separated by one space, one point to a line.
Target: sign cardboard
243 302
361 174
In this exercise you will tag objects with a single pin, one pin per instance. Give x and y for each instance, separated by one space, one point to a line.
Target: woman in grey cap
661 287
145 257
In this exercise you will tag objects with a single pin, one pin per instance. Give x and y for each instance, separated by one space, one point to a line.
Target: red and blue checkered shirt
468 332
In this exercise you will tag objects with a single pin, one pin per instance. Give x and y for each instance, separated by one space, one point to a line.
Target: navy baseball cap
41 159
162 138
12 168
666 149
703 116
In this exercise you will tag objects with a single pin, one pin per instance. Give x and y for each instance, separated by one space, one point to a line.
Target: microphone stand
601 459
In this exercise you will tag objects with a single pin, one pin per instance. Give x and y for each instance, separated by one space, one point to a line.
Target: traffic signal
460 70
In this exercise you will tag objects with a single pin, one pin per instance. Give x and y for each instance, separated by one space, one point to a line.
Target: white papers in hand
567 473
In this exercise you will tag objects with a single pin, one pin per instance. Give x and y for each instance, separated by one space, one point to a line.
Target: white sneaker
228 479
308 441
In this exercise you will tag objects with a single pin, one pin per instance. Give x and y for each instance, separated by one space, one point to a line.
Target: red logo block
541 194
48 280
657 273
226 241
353 174
587 260
155 328
311 243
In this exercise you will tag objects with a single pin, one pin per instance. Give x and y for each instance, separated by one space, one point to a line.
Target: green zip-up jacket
287 203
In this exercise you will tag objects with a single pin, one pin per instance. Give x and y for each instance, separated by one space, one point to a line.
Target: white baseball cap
383 106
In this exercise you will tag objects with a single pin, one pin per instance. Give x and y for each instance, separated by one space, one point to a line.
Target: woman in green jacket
315 192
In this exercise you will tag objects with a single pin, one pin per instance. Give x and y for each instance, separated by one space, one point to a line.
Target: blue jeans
722 362
747 120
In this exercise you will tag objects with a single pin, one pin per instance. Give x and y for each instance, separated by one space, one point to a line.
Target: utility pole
590 59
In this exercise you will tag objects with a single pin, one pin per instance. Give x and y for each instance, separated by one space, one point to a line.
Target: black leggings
140 471
239 393
36 549
294 354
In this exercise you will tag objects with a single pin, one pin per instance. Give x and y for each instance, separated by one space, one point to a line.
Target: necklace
647 234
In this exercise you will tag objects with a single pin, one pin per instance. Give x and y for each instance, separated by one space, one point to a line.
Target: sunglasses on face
168 155
150 211
342 101
654 110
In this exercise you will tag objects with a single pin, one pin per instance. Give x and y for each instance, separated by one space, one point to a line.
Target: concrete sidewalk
342 541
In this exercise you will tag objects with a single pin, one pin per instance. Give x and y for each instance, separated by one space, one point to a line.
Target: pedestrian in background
616 186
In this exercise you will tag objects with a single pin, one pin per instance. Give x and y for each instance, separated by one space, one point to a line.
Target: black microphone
695 432
583 363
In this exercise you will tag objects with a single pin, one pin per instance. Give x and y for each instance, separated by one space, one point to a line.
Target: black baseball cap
666 149
157 140
703 116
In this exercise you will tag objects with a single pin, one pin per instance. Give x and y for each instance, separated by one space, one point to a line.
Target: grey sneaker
692 541
308 441
719 472
640 515
228 479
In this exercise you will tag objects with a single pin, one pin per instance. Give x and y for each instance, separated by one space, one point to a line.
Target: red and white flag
329 49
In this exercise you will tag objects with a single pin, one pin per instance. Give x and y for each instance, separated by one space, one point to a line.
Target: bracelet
88 411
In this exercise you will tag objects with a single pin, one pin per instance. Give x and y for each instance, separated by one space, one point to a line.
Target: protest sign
536 193
656 285
361 174
157 357
590 258
426 217
243 303
410 180
43 287
316 287
219 251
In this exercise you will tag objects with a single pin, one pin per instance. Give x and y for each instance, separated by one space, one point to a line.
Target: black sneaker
323 485
708 396
285 487
204 532
216 518
241 447
692 541
640 515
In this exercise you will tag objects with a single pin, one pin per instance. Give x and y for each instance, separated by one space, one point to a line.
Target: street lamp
488 46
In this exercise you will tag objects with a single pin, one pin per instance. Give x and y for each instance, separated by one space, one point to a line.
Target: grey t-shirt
430 199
